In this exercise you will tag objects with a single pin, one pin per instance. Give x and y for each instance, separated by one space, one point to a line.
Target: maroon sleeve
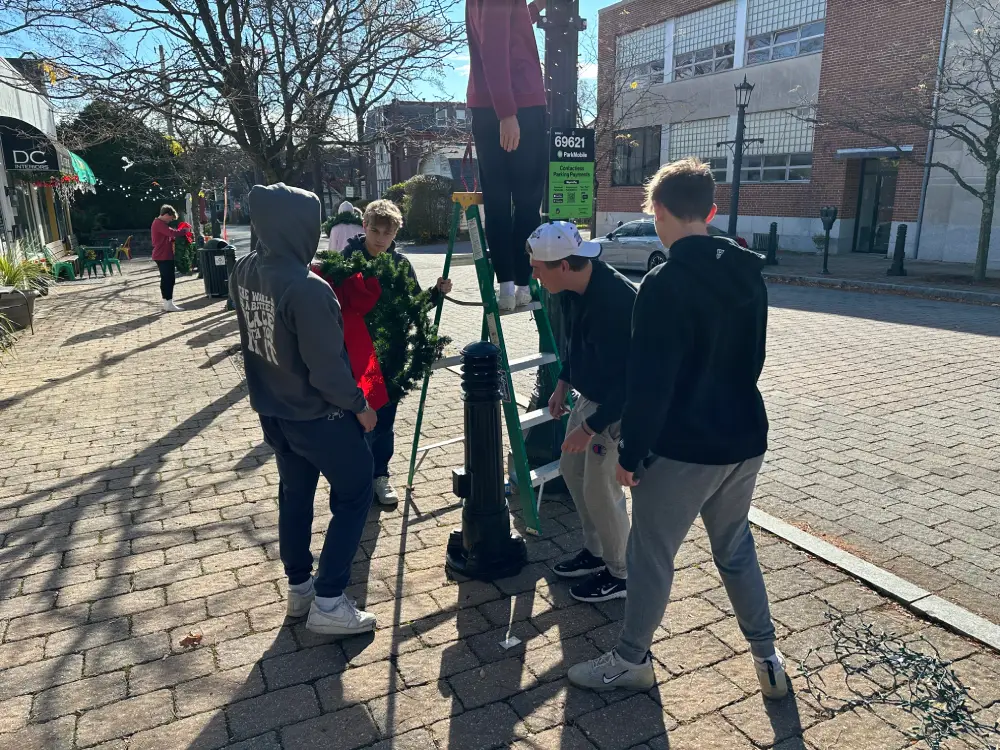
533 12
495 19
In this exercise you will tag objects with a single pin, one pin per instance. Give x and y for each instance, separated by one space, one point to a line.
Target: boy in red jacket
507 98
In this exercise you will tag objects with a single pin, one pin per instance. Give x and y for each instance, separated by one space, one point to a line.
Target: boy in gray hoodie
313 414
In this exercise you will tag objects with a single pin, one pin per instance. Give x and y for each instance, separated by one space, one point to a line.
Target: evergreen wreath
406 341
344 217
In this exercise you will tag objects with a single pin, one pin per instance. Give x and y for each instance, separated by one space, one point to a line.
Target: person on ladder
507 97
597 307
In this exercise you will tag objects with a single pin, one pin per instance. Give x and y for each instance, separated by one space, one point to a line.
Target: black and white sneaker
601 587
584 564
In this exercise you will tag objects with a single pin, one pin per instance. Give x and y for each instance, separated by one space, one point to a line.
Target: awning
875 152
28 149
82 170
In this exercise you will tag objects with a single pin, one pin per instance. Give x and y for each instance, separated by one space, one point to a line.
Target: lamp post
743 92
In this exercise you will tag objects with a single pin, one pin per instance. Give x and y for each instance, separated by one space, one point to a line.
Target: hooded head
345 207
286 222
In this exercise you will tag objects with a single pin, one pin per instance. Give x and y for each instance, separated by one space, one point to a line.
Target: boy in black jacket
382 220
694 428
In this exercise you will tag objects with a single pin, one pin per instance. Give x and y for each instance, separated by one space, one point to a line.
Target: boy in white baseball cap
597 308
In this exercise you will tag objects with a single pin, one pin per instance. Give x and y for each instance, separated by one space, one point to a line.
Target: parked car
635 245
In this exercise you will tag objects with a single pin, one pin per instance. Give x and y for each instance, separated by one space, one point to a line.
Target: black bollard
772 245
485 547
898 253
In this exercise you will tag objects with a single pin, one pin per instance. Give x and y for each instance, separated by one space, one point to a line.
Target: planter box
18 307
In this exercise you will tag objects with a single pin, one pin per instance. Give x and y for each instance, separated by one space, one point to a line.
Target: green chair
91 258
111 256
58 267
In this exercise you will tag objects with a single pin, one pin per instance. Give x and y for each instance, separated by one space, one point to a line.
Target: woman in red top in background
509 124
163 254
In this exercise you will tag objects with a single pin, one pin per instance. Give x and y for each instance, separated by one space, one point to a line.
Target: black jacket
597 337
698 339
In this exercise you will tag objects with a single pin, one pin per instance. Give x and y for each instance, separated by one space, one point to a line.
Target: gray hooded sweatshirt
291 329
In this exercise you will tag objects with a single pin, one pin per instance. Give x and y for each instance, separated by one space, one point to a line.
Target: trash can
216 260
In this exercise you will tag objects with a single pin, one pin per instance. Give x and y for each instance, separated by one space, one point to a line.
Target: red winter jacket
504 71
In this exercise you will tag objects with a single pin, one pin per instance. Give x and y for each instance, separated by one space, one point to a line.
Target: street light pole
734 200
743 92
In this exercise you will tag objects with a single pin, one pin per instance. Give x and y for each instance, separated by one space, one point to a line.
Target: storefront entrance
876 197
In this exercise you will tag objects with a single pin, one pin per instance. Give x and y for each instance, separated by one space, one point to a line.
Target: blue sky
452 86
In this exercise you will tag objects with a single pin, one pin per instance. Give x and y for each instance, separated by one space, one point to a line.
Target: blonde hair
384 215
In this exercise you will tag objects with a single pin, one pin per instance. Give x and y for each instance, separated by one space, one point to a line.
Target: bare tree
267 75
961 104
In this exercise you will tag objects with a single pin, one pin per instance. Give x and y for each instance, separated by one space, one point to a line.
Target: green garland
346 217
405 352
184 255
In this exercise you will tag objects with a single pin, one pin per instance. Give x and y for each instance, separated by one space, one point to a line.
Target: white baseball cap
558 240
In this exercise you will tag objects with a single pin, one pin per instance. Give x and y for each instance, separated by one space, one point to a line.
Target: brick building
414 138
667 71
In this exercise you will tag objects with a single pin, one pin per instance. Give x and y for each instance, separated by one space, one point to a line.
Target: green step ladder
527 479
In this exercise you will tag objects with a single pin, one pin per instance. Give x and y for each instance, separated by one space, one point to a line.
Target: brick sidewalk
137 506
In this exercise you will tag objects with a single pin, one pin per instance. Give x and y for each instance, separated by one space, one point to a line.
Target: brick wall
874 54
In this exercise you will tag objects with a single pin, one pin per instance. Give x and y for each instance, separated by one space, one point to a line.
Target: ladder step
440 364
544 474
535 418
442 444
532 360
535 305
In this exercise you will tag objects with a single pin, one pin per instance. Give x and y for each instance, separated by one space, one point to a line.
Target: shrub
396 193
427 207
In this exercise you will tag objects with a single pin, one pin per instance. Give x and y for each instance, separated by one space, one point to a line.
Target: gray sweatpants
665 504
599 499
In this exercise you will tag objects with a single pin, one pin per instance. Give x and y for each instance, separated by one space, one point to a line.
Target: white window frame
755 168
790 39
714 57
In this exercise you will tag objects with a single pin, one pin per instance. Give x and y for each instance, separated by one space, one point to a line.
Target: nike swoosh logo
605 590
608 681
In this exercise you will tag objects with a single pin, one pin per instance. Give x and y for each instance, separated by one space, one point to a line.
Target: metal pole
931 134
734 200
826 253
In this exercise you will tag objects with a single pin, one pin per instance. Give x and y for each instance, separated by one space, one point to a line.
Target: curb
919 600
881 287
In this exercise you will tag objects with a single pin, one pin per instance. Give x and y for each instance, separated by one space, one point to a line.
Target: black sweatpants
167 278
513 184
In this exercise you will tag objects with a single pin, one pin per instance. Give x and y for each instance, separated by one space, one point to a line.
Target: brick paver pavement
137 507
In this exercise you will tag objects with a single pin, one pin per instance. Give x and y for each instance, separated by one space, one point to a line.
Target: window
785 155
639 55
777 168
777 45
441 116
690 64
460 115
700 138
637 156
704 41
632 229
764 16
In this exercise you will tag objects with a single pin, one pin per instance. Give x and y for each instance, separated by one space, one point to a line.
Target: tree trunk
986 222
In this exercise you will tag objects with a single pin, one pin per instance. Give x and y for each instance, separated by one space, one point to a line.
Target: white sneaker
771 675
169 306
522 296
300 599
344 619
610 671
506 302
385 493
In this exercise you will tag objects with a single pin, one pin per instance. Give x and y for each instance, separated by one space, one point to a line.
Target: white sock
506 288
328 603
301 588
